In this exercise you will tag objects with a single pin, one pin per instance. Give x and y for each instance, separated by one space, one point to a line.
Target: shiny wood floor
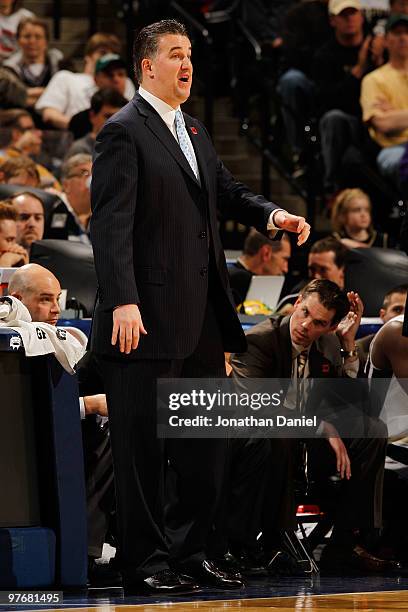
361 602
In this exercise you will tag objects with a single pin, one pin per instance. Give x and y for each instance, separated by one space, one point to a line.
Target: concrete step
78 8
232 145
241 164
228 126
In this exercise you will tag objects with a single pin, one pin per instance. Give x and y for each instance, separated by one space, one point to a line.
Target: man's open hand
343 464
292 223
127 327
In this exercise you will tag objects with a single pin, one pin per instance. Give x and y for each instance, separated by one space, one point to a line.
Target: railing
206 38
264 138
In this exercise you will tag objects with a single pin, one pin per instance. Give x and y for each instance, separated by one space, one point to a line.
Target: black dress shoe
336 560
165 582
246 564
209 573
365 561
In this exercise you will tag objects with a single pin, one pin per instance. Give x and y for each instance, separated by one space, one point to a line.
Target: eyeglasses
81 174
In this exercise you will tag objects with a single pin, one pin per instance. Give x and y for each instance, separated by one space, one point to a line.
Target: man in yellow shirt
384 99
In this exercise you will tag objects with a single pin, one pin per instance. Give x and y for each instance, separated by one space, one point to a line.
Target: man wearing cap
384 99
69 93
338 68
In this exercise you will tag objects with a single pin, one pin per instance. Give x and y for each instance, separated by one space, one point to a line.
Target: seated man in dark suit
259 256
304 345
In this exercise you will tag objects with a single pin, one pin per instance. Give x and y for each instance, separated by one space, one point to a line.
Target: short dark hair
399 289
330 296
108 97
147 41
331 244
35 21
255 240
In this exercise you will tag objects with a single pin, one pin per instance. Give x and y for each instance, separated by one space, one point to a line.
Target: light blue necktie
184 143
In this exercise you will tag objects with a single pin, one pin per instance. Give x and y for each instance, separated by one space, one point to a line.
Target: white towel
42 338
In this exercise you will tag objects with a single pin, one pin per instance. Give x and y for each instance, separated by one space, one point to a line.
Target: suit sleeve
236 201
254 363
114 197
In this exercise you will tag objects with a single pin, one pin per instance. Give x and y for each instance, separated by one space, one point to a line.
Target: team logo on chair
194 130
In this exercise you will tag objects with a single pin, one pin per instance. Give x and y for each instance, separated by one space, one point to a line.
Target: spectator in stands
39 290
34 63
30 218
326 261
338 68
104 104
69 93
352 223
260 256
19 171
110 74
69 217
300 347
11 253
393 306
264 19
25 139
306 28
384 100
10 17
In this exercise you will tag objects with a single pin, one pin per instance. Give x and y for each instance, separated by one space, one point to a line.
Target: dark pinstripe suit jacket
149 228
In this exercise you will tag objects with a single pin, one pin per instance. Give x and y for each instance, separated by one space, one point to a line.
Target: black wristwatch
345 354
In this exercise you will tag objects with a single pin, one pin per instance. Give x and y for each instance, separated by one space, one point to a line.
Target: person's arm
16 255
52 104
390 349
346 333
33 93
259 359
236 200
55 118
96 404
114 192
378 110
390 121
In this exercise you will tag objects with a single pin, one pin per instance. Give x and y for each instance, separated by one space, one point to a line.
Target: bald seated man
39 290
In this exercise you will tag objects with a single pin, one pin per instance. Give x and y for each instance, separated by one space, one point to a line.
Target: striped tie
301 366
184 143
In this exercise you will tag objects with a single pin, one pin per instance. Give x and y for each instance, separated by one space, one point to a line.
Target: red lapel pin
194 130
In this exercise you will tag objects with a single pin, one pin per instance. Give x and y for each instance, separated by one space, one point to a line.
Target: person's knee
334 119
294 81
388 161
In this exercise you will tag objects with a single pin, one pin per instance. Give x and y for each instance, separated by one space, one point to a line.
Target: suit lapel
285 346
195 133
157 126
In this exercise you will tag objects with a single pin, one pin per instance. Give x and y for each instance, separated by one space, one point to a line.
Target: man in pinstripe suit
165 308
